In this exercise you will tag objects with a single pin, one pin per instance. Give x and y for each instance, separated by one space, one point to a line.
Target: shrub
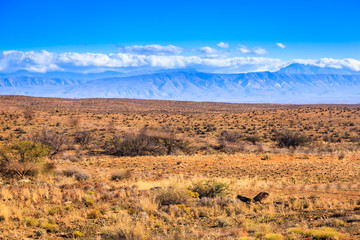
138 145
22 158
120 174
29 114
125 227
318 233
84 138
287 138
4 213
82 176
252 138
174 195
209 188
77 234
94 214
273 236
230 136
78 174
49 227
147 142
56 142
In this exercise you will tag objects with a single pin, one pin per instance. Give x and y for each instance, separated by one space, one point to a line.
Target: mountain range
296 83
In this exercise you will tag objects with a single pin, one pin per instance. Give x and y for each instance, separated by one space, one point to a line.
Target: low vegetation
171 170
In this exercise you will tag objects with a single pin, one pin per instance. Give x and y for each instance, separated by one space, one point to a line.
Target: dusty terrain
138 169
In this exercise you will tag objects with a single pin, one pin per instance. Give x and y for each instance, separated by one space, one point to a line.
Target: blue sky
306 29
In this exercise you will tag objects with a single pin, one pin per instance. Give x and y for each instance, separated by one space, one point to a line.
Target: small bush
273 236
209 188
22 158
230 136
174 195
56 142
253 139
78 174
120 174
77 234
49 227
4 213
319 233
30 222
287 138
147 142
82 176
89 202
94 214
69 172
84 139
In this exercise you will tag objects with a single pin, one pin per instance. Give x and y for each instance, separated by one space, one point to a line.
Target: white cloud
346 63
244 50
281 45
223 45
209 52
152 49
259 51
43 61
254 51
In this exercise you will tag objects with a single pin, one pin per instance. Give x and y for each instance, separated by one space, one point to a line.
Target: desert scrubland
147 169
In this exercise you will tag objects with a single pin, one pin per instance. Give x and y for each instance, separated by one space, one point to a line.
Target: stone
261 196
244 199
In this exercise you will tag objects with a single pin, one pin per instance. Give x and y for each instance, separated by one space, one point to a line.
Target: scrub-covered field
138 169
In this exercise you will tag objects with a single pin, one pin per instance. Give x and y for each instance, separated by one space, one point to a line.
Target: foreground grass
145 205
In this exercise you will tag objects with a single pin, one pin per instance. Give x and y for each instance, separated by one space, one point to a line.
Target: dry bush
147 143
84 139
57 142
120 174
125 227
209 188
172 195
29 114
230 136
77 173
288 138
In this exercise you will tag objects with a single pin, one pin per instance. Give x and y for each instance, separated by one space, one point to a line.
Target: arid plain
148 169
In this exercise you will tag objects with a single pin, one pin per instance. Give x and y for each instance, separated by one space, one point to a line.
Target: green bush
22 158
210 188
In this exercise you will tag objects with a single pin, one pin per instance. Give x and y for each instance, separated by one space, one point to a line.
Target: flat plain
149 169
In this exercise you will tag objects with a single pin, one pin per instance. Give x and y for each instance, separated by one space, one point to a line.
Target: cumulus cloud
44 61
346 63
280 45
209 52
253 51
223 45
152 49
259 51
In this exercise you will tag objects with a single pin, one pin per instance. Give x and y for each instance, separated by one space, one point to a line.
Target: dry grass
88 193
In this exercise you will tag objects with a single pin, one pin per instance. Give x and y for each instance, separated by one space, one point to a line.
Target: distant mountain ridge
292 84
298 68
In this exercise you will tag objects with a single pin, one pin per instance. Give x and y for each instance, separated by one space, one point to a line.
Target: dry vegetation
137 169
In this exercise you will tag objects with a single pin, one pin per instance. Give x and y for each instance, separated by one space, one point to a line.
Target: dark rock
155 188
261 196
244 199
